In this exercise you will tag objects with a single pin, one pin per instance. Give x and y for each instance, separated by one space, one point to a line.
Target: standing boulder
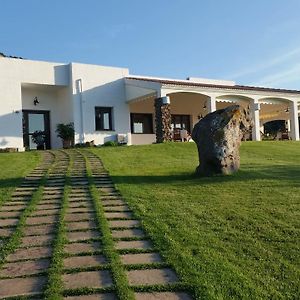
218 137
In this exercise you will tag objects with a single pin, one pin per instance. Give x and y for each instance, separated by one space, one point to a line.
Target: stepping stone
93 279
128 233
25 268
41 220
116 208
80 210
151 276
78 217
54 196
30 253
22 286
10 214
123 223
76 248
93 297
162 296
47 206
82 235
81 225
16 203
141 258
28 188
118 215
22 193
38 240
47 212
8 222
13 208
81 204
133 245
79 199
112 202
84 261
39 229
6 232
20 199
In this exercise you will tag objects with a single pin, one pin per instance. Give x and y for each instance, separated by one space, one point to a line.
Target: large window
141 123
103 118
181 122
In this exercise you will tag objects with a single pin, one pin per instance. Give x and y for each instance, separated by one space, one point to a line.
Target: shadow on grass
288 176
10 182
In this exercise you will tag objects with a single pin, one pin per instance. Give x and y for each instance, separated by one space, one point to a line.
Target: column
255 107
163 119
294 120
211 104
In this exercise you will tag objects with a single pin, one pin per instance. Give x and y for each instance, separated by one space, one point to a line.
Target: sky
253 42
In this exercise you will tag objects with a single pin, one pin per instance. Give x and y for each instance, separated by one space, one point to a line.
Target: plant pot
40 147
67 144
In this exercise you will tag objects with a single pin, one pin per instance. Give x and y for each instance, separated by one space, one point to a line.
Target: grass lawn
227 237
13 167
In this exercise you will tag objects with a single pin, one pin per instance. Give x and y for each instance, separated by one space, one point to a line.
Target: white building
103 102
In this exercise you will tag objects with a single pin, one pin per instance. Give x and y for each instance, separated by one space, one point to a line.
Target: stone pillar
294 120
163 119
255 107
211 104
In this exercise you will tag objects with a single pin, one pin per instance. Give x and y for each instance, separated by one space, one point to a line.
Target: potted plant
38 137
66 133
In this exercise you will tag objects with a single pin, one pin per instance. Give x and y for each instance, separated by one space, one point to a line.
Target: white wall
14 72
52 99
101 86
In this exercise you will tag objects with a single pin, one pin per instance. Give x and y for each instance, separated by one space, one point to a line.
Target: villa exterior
105 103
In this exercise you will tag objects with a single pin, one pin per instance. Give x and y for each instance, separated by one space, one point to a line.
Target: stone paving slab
162 296
108 296
10 214
141 258
112 202
30 253
45 212
75 248
5 232
120 208
71 226
84 261
81 204
8 222
38 240
39 229
78 217
82 235
25 268
80 210
41 220
125 223
22 286
133 245
13 208
20 199
47 206
128 233
151 276
118 215
93 279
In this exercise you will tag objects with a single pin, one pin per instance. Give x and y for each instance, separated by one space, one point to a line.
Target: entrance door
36 121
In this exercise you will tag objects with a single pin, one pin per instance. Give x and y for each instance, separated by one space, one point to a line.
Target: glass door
36 129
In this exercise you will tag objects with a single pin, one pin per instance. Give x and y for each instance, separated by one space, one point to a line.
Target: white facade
71 92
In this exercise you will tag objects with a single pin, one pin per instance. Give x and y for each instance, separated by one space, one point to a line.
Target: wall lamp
35 101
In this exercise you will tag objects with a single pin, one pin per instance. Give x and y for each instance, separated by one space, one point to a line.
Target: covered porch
160 107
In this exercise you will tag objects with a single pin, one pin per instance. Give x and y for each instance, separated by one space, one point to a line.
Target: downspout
79 91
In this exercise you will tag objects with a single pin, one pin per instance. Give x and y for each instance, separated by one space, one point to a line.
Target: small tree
66 133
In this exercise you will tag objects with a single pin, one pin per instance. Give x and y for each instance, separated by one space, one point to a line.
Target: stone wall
162 121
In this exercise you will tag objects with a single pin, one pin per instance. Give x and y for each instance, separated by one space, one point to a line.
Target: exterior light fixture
35 101
287 110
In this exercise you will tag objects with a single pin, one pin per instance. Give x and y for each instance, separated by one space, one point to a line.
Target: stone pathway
103 241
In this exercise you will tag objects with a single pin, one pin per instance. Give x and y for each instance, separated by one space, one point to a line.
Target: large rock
218 137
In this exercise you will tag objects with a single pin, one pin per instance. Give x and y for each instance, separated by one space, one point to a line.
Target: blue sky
253 42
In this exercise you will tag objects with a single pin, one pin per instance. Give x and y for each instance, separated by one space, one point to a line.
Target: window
103 118
181 122
141 123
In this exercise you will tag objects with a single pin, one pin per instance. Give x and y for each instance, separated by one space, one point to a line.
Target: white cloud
275 61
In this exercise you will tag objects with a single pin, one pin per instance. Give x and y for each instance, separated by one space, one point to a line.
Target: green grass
14 166
233 237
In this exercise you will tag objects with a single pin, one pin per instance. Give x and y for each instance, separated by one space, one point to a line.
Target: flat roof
199 84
